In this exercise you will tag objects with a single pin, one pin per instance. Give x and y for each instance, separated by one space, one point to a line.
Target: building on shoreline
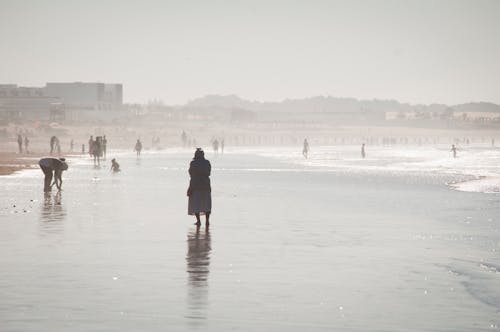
58 101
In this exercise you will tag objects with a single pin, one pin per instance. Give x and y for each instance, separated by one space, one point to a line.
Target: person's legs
207 218
48 178
197 215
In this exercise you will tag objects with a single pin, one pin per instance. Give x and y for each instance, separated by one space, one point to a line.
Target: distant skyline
414 51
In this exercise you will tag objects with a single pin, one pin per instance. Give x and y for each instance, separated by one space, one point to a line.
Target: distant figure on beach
222 146
83 148
58 146
363 154
454 150
20 143
91 145
138 147
199 191
52 144
97 150
305 149
215 146
104 146
492 142
52 168
26 144
184 138
71 145
115 167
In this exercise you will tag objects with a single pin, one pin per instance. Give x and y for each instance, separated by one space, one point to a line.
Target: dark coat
199 170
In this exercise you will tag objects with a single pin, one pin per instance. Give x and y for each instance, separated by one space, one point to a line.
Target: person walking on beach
199 191
104 146
215 146
222 146
305 149
52 144
52 168
138 147
97 151
91 145
20 143
363 154
71 145
454 150
115 167
26 144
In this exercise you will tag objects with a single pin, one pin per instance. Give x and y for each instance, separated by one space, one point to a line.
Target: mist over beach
249 166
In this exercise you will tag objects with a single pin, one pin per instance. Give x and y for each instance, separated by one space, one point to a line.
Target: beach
333 242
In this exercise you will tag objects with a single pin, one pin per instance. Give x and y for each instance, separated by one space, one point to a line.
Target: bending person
52 168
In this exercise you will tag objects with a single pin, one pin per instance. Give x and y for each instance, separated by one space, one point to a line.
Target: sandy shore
12 162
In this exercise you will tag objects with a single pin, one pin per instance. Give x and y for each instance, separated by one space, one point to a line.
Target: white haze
412 51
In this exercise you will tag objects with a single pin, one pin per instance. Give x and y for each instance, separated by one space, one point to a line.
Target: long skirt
200 202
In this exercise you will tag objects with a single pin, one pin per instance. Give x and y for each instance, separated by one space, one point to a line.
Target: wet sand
291 248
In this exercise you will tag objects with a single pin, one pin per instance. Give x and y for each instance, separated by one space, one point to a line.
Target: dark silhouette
184 138
20 143
305 149
454 150
52 168
52 144
104 146
138 147
363 154
215 145
97 150
26 144
115 167
199 191
91 145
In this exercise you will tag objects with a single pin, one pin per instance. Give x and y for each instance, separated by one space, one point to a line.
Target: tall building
18 102
87 96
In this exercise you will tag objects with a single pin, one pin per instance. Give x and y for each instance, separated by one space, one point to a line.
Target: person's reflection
52 209
198 268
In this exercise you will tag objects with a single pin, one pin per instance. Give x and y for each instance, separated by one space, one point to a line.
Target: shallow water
293 246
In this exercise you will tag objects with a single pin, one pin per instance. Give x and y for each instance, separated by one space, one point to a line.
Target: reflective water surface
292 246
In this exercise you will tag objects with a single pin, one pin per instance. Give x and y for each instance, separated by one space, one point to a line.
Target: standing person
20 143
454 150
363 154
83 148
97 150
104 146
26 144
71 145
305 149
52 168
199 191
91 145
52 144
138 147
222 146
184 138
58 146
215 145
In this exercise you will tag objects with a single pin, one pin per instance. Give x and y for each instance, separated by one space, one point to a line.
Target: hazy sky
412 51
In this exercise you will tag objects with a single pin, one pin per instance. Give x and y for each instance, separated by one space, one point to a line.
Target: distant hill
332 104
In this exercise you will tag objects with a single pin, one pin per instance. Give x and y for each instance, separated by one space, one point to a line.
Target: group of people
216 144
98 148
